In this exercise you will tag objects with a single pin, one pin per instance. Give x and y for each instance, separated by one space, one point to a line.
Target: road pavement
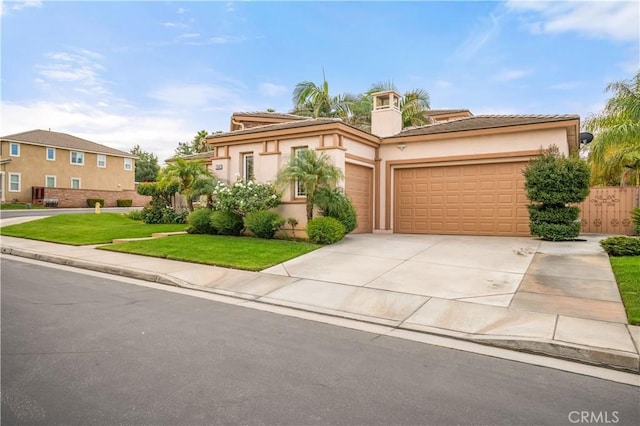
88 349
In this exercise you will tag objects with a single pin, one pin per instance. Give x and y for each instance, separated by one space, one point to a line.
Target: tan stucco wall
34 166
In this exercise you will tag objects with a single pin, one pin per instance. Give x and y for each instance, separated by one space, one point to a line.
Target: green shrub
263 223
244 197
325 230
227 223
200 222
121 202
335 203
135 215
635 218
156 215
553 181
621 246
91 202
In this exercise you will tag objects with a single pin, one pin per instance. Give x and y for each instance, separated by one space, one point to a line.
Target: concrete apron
558 299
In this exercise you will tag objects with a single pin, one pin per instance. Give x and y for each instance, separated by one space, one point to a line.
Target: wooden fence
607 210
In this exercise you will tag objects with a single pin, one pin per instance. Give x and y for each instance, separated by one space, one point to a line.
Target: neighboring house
460 175
41 164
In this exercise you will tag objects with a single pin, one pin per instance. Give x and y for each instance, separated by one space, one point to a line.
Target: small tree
311 171
185 173
553 181
147 167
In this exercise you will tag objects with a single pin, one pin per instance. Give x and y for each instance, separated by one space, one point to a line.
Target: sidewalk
557 299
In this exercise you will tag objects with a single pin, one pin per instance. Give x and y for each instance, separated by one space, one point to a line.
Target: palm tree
186 174
311 171
315 101
615 150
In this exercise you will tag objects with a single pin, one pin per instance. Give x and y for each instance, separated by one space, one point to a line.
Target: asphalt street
79 349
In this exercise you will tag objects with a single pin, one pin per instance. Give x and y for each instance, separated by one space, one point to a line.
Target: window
14 150
50 181
75 183
247 166
77 158
128 164
14 182
299 190
51 154
102 160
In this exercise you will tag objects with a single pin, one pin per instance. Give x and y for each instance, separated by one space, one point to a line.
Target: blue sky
153 73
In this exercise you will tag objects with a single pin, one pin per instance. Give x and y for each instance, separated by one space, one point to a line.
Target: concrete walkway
558 299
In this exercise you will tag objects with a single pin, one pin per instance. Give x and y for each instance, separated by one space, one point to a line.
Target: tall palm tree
186 174
615 150
313 100
311 171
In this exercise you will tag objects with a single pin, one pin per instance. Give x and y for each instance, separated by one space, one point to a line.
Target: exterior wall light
402 146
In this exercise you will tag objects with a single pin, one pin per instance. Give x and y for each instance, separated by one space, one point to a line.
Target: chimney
386 117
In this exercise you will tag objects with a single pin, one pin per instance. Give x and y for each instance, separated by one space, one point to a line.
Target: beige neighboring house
462 174
40 161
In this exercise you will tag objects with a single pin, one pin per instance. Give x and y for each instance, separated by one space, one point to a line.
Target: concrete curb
613 359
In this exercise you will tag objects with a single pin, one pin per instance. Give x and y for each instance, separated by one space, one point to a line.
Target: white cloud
272 90
508 75
617 20
80 67
486 31
18 5
193 95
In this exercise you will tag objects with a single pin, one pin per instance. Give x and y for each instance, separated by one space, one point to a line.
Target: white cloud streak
81 67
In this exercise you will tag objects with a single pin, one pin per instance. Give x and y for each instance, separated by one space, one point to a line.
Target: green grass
18 206
252 254
627 272
84 229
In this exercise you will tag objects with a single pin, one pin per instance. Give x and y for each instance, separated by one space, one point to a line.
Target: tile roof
266 114
479 122
445 111
278 126
64 141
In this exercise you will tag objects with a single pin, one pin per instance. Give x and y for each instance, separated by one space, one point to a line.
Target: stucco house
462 174
41 164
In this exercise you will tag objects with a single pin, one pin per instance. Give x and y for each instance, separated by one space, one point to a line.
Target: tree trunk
309 211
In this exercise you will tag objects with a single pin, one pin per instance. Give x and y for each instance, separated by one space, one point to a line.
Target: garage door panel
479 199
359 187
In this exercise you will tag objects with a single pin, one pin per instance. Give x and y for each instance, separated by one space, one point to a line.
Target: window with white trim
128 164
51 154
14 182
102 160
14 149
298 188
50 181
247 166
75 183
77 158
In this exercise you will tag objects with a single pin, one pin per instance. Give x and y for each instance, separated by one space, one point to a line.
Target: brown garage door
359 187
476 199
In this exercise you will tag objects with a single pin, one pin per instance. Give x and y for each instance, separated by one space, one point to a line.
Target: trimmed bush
91 202
335 203
227 223
553 181
135 215
156 215
200 222
121 202
325 230
264 223
621 246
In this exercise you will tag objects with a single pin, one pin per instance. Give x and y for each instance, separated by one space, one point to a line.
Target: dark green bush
621 246
553 181
325 230
135 215
200 222
227 223
263 223
635 217
335 203
91 202
154 215
121 202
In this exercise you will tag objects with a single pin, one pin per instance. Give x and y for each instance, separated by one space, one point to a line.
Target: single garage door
359 187
472 199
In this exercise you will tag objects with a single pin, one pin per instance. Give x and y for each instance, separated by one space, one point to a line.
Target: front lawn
252 254
627 272
84 229
19 206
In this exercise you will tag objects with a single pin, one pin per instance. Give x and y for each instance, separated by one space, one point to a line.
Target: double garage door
471 199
